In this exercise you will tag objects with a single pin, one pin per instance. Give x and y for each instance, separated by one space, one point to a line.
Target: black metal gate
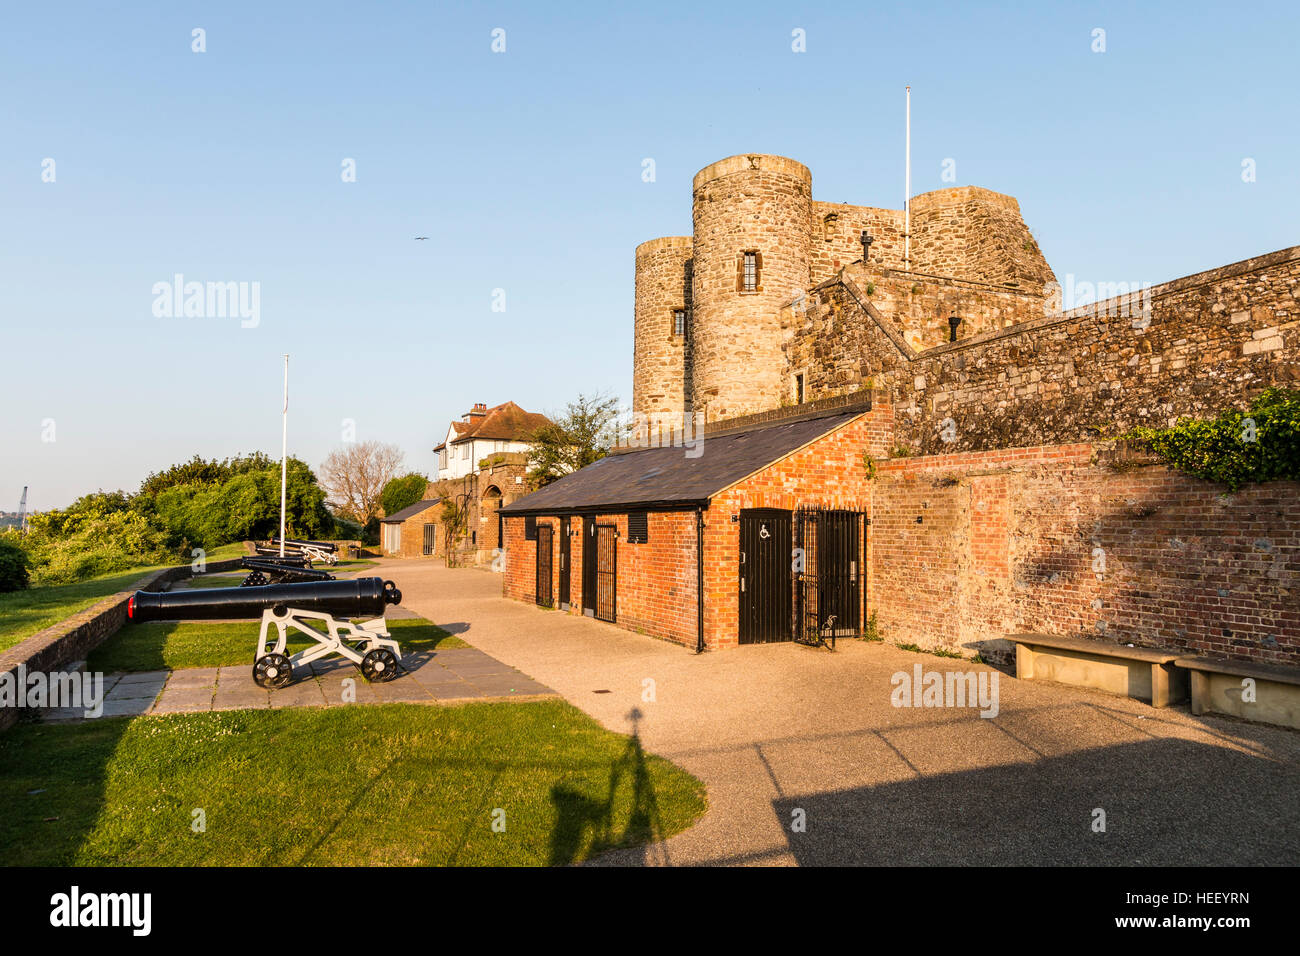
765 576
543 591
606 572
430 539
564 564
828 575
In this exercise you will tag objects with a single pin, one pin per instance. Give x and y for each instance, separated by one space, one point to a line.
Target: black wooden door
589 567
606 572
544 565
564 564
765 576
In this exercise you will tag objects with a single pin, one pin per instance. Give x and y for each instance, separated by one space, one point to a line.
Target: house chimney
478 411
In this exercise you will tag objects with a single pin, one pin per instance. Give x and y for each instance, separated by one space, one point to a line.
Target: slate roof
665 478
409 511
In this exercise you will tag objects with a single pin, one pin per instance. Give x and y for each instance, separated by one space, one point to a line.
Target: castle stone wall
753 202
660 366
834 244
977 234
1207 342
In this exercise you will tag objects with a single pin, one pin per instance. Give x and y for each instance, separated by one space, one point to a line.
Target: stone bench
1145 673
1218 688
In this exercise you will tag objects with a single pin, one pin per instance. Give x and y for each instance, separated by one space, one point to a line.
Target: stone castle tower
710 311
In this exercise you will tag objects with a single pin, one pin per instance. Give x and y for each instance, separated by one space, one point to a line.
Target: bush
401 492
13 567
1236 448
101 543
370 532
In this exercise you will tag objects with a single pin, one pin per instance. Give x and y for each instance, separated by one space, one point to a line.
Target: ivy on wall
1236 448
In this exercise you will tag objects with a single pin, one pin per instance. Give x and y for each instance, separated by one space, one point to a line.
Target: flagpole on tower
907 190
284 451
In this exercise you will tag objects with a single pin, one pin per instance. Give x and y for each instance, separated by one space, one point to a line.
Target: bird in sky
421 237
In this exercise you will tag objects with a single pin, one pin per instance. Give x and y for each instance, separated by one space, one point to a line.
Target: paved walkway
451 675
781 733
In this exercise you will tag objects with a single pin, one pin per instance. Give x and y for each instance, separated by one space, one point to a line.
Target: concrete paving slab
134 690
127 708
143 677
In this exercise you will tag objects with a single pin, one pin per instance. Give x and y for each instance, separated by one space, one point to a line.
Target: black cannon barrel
290 572
360 597
294 559
323 545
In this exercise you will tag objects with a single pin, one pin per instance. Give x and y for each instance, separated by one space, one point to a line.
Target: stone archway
489 506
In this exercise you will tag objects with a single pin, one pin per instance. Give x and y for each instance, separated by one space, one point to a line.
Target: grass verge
23 613
391 784
169 645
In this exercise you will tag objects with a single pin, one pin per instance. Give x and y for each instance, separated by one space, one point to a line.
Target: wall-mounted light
866 241
953 322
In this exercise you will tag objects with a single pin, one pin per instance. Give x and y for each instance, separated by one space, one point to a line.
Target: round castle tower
661 379
752 225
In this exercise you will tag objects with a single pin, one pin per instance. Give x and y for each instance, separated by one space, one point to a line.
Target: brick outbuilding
415 531
754 534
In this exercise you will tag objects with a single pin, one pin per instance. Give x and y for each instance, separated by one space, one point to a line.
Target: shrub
1236 448
13 567
401 492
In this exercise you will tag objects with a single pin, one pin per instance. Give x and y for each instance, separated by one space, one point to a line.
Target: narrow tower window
679 322
751 265
798 389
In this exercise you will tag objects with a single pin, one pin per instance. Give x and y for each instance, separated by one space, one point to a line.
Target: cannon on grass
334 603
325 551
267 571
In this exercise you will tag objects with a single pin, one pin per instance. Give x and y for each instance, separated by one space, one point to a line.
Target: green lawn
168 645
392 784
23 613
217 580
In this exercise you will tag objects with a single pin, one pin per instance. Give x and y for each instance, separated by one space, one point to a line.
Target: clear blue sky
524 169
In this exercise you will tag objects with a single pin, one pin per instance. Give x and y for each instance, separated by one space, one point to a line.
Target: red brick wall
1009 541
655 591
828 473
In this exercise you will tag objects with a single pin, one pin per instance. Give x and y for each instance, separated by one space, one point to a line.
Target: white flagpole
284 451
907 190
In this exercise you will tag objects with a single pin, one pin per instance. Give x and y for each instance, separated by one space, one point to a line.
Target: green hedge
1236 448
13 567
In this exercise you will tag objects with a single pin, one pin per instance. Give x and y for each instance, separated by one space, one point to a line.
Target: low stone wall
73 639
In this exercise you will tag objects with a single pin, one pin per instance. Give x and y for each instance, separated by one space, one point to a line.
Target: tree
402 492
573 440
354 477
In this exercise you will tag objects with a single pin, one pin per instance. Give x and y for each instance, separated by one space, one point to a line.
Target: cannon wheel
379 665
272 671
